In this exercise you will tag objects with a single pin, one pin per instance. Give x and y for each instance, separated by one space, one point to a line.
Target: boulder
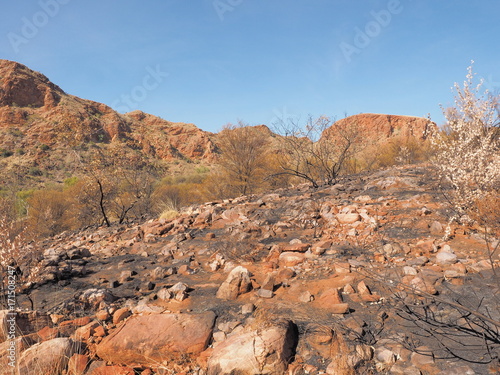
262 351
150 339
238 282
47 358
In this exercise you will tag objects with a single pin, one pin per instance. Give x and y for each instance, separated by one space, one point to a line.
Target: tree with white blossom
468 152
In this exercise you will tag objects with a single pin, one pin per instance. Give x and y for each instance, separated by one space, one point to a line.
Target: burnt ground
394 241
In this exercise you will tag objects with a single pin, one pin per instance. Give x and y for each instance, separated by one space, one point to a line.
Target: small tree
318 152
244 157
117 184
468 152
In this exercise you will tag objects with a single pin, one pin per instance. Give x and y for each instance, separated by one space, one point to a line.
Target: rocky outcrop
22 87
381 127
168 140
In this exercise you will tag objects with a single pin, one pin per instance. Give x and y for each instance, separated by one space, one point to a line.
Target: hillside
43 130
348 279
41 127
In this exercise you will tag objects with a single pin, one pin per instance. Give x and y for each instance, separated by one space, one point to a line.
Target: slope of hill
349 279
40 125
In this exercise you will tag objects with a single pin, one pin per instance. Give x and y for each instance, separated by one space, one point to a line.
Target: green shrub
202 169
70 181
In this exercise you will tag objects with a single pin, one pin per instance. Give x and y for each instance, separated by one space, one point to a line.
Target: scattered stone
445 256
306 297
331 300
164 294
265 293
113 370
348 218
422 356
291 259
103 315
121 314
247 308
436 228
94 297
238 282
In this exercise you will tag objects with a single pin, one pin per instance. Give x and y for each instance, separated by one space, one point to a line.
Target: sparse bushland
309 153
173 192
395 151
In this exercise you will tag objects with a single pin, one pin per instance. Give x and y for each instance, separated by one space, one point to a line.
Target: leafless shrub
317 152
244 158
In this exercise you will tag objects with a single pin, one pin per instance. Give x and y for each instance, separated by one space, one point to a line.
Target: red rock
342 267
380 127
48 333
290 259
184 270
331 300
150 339
121 314
237 282
300 247
363 289
113 370
78 364
102 315
264 351
76 322
320 247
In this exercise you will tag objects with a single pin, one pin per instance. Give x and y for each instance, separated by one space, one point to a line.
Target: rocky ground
347 279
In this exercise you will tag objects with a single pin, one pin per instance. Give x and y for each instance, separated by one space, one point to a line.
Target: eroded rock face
21 87
265 351
151 339
379 127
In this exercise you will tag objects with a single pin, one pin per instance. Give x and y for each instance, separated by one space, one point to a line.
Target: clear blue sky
210 62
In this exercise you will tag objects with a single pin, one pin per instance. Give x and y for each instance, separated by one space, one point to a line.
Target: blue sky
211 62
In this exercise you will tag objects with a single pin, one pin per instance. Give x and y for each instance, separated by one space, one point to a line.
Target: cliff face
22 87
380 127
